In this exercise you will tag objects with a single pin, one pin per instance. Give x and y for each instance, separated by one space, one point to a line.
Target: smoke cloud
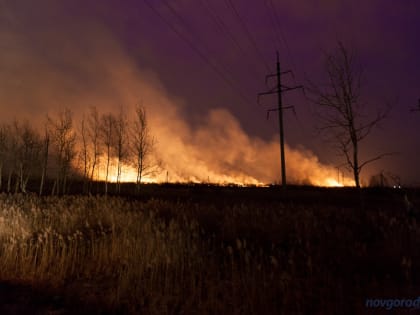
78 67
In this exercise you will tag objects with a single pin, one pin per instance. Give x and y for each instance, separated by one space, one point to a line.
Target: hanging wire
226 31
197 50
242 23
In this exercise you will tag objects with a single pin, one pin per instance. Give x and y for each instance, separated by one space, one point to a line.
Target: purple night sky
56 53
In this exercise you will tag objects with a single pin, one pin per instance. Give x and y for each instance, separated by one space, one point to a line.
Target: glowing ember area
331 182
220 152
129 175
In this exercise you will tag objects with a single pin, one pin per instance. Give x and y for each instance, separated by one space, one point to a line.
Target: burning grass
173 257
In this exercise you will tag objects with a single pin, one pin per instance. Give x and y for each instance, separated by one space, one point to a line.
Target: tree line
63 149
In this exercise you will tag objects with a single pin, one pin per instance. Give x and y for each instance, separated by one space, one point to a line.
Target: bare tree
340 109
64 141
94 125
11 152
90 131
121 144
107 127
141 145
3 151
44 158
27 153
84 154
20 147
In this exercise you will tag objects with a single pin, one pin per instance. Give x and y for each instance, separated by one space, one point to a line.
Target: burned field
182 249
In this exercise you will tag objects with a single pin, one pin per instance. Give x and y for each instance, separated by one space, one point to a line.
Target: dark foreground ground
18 298
338 247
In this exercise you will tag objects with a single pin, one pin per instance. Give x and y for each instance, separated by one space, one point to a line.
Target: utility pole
279 89
281 130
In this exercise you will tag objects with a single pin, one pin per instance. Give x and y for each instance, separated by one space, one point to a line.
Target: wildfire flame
218 151
129 175
237 159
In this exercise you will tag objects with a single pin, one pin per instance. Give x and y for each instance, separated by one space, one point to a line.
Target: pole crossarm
276 110
416 109
275 91
269 76
287 88
273 75
272 91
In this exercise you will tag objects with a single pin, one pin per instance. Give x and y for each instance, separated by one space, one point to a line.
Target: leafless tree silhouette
142 145
341 111
90 151
44 156
121 144
107 135
63 138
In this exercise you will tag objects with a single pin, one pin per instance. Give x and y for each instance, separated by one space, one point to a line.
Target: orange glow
220 152
129 174
215 149
331 182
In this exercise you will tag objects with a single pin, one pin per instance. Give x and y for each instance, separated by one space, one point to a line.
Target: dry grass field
242 253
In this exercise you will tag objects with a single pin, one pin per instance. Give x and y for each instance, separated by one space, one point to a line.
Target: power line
188 28
222 25
281 42
225 30
195 49
177 15
273 24
230 5
280 29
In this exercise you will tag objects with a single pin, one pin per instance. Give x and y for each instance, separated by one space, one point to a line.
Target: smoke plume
82 66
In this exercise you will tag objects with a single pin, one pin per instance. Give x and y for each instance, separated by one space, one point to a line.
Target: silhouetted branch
380 156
